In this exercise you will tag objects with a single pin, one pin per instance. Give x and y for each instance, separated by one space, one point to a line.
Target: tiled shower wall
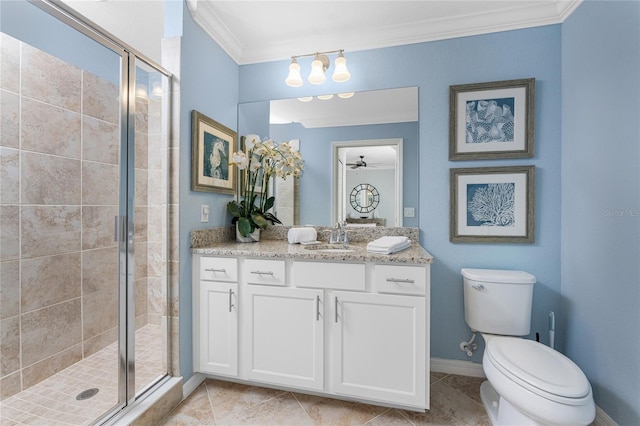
59 146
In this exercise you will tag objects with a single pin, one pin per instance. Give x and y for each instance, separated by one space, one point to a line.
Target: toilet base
500 411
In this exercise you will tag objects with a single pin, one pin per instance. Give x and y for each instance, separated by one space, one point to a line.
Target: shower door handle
118 229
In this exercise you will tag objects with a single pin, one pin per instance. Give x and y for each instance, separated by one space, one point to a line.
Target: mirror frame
335 178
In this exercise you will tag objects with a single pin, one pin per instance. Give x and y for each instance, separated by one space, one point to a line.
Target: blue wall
208 84
433 67
601 201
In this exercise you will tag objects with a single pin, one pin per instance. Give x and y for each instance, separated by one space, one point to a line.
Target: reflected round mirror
364 198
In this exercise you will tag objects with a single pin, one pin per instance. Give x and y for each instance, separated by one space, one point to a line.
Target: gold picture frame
211 147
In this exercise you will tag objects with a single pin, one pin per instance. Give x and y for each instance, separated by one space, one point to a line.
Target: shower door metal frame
124 226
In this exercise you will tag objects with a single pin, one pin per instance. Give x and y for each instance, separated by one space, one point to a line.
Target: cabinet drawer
339 276
219 269
400 279
266 272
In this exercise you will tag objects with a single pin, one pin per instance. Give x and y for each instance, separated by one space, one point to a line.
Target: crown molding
203 14
517 16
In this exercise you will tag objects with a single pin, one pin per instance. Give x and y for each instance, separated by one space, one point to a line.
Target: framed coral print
211 147
491 120
492 205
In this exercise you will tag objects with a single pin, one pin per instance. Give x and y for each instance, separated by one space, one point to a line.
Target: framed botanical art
211 147
491 120
492 204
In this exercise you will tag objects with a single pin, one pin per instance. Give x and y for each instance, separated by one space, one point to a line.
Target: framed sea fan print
492 205
491 120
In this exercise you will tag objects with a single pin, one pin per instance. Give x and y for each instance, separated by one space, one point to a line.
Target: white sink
332 248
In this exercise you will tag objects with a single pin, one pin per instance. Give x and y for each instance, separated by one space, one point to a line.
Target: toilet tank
498 301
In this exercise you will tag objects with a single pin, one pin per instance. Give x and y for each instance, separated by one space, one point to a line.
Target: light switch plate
409 212
204 213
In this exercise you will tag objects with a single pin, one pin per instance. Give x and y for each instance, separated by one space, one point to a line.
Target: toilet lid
537 367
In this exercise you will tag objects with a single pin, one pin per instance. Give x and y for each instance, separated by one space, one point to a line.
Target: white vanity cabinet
352 330
216 316
283 336
378 345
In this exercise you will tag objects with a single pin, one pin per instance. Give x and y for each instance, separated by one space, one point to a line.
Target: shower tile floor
455 400
53 401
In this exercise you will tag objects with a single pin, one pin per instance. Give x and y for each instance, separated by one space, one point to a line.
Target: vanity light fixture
319 66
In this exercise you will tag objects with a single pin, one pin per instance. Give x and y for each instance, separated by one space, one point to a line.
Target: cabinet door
283 333
218 328
378 347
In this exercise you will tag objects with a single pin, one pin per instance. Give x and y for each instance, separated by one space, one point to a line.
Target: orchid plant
261 161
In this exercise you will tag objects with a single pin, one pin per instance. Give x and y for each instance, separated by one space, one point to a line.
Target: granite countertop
281 249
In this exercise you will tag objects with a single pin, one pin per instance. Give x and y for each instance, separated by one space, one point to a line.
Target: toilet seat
539 369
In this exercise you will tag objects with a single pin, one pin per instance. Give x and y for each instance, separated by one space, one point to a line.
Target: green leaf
269 203
270 217
234 208
259 220
245 226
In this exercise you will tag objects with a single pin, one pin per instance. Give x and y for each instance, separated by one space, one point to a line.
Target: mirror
366 120
364 198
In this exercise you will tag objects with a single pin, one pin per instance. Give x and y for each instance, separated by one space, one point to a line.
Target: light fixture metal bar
318 53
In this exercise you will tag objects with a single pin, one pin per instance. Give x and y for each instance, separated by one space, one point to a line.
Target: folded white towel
388 245
301 235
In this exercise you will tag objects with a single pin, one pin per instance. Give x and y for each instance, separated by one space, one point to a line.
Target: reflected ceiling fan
358 164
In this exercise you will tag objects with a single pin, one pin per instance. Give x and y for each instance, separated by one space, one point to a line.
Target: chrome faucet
339 234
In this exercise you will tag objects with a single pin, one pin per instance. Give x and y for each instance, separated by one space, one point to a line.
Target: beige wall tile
47 331
142 151
141 219
9 63
157 191
156 297
141 291
156 266
50 79
142 187
49 280
100 341
9 176
99 269
49 230
48 367
100 141
141 260
50 180
98 226
9 119
9 232
101 98
10 385
49 129
100 312
9 289
9 345
100 184
142 115
156 152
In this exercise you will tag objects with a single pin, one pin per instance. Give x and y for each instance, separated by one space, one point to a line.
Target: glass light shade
346 95
294 79
341 73
317 72
325 97
306 99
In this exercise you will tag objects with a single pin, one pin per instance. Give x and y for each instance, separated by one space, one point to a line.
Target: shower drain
86 394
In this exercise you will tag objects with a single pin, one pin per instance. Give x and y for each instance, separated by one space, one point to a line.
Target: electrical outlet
204 213
409 212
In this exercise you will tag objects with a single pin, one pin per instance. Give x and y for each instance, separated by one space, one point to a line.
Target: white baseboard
453 366
603 419
192 384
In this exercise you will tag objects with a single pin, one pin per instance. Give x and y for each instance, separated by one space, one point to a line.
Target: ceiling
261 31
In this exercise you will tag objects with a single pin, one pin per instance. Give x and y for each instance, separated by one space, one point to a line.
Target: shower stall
84 235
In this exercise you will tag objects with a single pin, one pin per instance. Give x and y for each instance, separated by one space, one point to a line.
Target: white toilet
528 383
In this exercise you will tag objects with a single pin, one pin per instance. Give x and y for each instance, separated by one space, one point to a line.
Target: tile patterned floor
53 401
455 400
